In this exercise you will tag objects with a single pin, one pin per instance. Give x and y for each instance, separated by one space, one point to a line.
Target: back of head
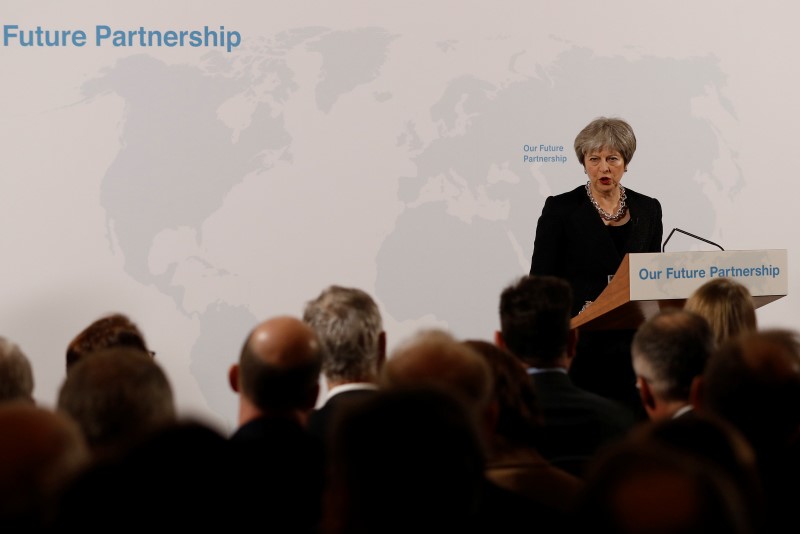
16 374
117 396
406 458
115 330
754 382
705 436
349 327
670 350
178 470
713 442
726 305
40 451
279 366
518 419
638 487
433 358
534 318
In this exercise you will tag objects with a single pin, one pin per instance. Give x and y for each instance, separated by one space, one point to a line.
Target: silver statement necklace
620 213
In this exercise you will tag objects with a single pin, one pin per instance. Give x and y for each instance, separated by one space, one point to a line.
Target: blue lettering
101 33
8 34
644 274
79 38
195 39
684 273
234 38
171 38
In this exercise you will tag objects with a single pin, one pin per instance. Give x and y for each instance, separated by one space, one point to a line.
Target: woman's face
605 168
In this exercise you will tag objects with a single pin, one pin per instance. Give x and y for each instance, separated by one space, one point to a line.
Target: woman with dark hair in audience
514 462
110 331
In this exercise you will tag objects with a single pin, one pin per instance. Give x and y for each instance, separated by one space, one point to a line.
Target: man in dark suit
534 319
670 351
350 328
280 465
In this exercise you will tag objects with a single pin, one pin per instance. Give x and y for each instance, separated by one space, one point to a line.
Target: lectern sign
644 284
675 275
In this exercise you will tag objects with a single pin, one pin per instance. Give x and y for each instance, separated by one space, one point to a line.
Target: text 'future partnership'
105 36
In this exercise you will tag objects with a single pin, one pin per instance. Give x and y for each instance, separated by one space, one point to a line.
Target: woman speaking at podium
582 236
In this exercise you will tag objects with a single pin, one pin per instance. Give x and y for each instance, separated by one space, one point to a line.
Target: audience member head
117 396
40 451
433 358
178 477
16 375
534 320
350 329
726 305
115 330
711 441
669 351
637 487
407 458
753 381
278 370
518 421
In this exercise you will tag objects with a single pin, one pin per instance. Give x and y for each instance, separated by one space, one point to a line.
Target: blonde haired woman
727 306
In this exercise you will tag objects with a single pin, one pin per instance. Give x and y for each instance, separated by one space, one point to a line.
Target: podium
646 283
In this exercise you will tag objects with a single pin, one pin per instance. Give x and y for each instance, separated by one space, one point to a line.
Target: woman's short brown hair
615 134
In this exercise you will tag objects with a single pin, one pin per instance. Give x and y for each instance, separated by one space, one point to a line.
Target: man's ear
645 394
498 339
572 343
233 377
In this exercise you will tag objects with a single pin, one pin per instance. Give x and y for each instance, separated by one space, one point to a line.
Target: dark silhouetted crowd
335 436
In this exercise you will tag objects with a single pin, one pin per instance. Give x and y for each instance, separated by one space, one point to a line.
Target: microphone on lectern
664 246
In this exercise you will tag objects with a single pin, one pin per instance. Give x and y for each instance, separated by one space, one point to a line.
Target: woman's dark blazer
573 243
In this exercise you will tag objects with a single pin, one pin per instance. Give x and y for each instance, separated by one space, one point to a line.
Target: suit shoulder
570 199
641 198
571 196
612 410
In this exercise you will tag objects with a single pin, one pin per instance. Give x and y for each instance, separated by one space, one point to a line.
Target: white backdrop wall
372 144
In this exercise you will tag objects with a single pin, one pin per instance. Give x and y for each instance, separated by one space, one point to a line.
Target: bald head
283 342
434 358
279 365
